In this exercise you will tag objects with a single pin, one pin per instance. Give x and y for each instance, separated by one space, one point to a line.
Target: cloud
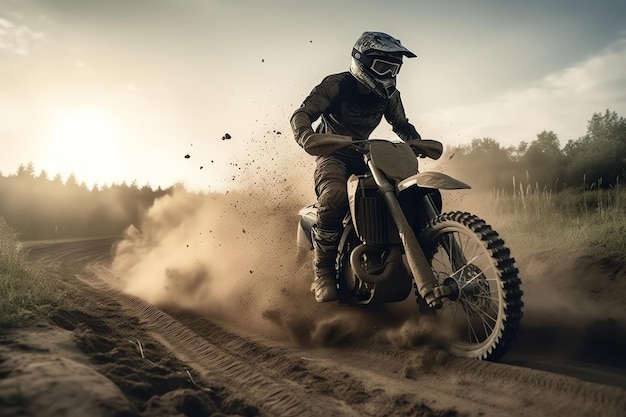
18 39
562 102
598 77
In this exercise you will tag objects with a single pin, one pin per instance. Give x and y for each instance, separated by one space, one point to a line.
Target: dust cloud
232 257
229 256
226 255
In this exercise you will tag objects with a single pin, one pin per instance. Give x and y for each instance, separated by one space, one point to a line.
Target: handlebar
325 144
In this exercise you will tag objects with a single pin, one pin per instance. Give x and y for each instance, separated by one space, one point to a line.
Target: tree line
42 208
597 159
38 207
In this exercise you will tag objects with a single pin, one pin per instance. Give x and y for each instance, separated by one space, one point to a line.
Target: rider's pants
331 174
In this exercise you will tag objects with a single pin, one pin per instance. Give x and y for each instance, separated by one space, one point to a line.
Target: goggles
382 66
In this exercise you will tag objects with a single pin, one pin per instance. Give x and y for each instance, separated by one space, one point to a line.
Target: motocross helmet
376 60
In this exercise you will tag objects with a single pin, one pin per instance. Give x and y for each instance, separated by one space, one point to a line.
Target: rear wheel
485 311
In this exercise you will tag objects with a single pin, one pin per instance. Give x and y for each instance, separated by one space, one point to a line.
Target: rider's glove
325 143
416 141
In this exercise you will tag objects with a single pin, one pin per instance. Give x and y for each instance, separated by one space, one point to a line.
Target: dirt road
121 356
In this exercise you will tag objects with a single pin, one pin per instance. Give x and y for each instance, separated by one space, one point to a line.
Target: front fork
427 285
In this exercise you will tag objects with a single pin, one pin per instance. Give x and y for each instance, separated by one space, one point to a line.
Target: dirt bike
396 238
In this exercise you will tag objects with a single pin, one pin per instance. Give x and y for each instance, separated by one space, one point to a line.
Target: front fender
436 180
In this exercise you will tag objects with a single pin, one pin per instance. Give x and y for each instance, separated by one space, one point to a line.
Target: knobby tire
487 313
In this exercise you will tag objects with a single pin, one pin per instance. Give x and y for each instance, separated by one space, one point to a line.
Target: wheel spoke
485 326
478 247
440 262
478 312
470 328
485 297
482 272
458 244
450 251
465 266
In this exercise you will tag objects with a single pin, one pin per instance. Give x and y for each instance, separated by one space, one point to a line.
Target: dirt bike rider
351 104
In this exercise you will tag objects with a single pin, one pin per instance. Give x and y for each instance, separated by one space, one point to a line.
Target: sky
124 90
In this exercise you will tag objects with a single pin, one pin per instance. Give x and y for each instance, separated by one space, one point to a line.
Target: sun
84 141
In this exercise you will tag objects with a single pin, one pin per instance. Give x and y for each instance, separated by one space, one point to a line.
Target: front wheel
485 310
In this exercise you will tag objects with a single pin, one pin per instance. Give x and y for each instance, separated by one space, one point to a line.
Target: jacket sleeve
397 118
317 102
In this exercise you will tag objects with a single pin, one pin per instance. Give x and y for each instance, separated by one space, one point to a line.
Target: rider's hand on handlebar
325 143
412 142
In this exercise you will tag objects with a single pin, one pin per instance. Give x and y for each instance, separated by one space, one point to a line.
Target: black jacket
346 111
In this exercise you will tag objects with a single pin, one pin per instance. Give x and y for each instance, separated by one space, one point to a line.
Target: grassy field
592 221
24 287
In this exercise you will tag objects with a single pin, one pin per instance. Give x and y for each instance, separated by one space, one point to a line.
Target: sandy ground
120 356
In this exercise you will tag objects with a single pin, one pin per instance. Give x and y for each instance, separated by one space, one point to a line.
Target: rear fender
435 180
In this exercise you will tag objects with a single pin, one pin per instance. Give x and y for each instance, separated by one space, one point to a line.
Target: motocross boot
325 243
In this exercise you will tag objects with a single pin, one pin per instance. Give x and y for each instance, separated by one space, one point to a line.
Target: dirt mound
77 364
574 307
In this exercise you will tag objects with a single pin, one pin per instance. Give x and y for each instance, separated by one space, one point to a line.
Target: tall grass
24 287
592 219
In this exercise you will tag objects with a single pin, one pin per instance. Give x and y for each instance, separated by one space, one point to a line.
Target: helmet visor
382 66
385 68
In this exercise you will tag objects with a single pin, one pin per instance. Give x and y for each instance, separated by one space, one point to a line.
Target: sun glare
84 142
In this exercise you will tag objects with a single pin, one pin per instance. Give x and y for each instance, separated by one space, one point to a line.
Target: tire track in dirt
221 356
277 397
285 380
277 380
74 251
282 382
